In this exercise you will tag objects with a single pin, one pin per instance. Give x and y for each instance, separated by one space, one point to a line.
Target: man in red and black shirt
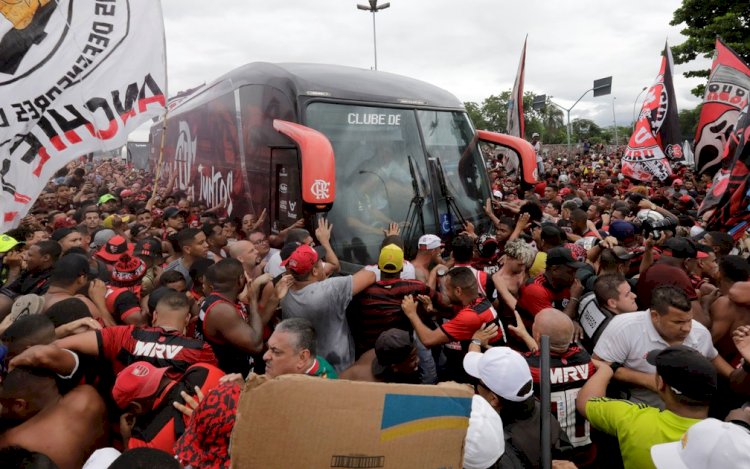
554 288
147 394
162 345
462 289
570 368
234 331
378 307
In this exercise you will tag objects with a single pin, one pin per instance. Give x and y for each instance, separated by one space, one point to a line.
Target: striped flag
656 142
515 103
726 95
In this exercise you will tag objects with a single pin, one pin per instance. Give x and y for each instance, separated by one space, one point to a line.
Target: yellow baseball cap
391 259
7 243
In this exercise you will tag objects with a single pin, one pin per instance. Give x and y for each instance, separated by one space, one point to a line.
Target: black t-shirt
28 283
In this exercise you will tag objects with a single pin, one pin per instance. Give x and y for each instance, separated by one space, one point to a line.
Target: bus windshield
448 137
374 185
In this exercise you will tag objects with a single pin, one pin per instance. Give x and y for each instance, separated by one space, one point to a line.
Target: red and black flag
726 95
656 141
729 194
515 103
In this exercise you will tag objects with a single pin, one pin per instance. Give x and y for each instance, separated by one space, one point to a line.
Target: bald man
246 252
570 368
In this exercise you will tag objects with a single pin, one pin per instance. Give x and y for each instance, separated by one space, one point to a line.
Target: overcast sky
471 48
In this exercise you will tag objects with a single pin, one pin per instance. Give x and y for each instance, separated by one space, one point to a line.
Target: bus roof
331 82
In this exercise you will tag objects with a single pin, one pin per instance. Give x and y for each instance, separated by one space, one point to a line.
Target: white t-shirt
273 263
630 336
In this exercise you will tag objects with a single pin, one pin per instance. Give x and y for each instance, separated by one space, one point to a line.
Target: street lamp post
614 117
602 86
567 111
373 8
636 102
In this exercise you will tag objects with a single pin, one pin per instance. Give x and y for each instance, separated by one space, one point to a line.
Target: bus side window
285 197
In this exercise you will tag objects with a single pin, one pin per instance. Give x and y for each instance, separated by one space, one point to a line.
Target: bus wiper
414 213
450 201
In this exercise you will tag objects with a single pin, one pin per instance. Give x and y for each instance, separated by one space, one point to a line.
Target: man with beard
68 238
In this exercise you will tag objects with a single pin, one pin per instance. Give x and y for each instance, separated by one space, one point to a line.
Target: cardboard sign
302 421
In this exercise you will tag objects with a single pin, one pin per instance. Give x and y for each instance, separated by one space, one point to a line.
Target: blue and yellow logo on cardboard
405 414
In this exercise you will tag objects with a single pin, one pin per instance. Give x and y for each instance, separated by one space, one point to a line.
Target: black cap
171 212
680 248
288 249
60 233
686 371
563 256
149 247
137 229
392 346
622 254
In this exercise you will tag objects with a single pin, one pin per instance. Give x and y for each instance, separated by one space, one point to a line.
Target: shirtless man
428 255
36 417
726 313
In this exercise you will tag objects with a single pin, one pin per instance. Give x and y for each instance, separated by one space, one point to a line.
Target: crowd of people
131 318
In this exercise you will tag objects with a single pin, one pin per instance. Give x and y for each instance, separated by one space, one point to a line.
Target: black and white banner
76 76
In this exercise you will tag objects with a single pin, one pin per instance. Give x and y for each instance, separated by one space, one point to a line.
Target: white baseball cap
708 444
503 370
485 441
429 241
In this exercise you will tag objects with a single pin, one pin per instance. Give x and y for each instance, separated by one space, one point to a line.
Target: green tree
689 121
706 19
585 128
475 114
492 115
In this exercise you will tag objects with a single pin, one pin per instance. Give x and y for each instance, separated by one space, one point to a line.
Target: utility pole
614 117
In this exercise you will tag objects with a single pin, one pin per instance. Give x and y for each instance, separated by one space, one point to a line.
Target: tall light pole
374 8
602 86
614 117
636 102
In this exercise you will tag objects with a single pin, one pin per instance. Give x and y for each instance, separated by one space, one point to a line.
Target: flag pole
545 403
157 174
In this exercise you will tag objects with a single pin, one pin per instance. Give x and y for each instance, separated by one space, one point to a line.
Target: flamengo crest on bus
320 189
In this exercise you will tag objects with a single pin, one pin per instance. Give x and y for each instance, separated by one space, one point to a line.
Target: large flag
75 77
728 202
726 95
656 140
515 103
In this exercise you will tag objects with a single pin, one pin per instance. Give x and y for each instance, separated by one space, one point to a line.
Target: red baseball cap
137 381
302 260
